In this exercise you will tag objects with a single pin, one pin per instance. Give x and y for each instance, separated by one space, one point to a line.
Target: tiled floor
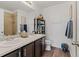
56 52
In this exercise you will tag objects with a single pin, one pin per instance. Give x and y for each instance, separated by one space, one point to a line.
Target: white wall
1 21
31 22
56 21
19 14
30 15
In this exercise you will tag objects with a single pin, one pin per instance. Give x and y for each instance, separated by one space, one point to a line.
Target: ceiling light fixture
28 3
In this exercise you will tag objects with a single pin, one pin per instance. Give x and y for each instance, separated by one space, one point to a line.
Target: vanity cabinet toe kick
33 49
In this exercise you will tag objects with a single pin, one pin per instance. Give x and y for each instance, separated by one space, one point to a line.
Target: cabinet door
9 23
43 45
12 54
29 50
38 48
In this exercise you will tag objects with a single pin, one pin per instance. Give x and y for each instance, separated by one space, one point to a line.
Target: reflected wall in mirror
23 25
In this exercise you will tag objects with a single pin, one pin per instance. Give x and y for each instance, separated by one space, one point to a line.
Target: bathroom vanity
33 46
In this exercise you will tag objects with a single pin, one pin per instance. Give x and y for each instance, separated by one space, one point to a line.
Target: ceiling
14 5
45 4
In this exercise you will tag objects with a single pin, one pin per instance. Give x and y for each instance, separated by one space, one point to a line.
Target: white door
73 13
77 29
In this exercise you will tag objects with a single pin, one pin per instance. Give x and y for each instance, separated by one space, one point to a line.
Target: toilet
48 45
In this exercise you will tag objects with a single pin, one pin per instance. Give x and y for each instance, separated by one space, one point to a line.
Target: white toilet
48 45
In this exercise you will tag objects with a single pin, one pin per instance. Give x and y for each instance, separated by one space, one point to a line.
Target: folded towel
69 29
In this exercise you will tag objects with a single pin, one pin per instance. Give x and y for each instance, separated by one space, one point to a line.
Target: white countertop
8 46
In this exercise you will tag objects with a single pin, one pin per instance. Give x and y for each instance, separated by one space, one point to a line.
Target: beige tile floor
56 52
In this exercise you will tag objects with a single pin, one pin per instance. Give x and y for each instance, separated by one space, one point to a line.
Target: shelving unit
39 26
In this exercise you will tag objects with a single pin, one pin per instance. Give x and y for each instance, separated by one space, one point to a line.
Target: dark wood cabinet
28 51
33 49
13 54
42 45
38 48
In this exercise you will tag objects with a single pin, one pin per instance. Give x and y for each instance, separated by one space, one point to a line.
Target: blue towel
69 29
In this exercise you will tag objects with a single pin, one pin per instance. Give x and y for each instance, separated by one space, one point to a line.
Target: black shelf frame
38 25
